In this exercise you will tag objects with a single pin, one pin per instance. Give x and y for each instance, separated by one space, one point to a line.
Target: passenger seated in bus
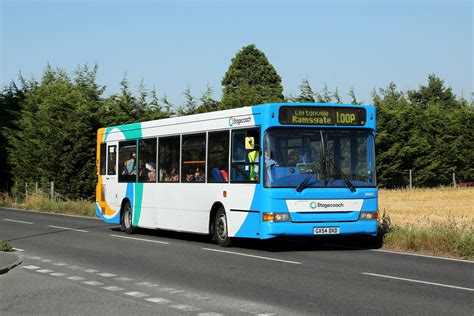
129 166
151 171
270 163
163 174
198 175
224 174
189 176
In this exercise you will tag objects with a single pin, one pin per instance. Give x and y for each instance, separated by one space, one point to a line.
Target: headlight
276 217
368 215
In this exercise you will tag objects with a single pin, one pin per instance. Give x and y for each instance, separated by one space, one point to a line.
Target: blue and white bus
287 169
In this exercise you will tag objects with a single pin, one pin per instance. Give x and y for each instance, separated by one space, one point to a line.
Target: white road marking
146 284
167 289
75 278
46 260
31 267
44 271
178 291
252 256
107 275
209 314
68 228
113 288
136 294
141 239
60 264
75 268
420 255
158 300
34 257
91 270
124 279
203 298
58 274
94 283
186 308
18 249
17 221
418 281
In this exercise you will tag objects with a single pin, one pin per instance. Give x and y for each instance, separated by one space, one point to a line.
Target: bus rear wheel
126 219
221 232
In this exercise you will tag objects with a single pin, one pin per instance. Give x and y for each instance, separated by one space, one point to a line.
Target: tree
56 135
249 80
190 106
208 104
306 92
10 100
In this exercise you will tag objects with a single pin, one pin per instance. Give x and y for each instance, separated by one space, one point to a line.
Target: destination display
310 115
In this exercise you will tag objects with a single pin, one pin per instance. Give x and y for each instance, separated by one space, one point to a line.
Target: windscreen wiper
315 167
344 176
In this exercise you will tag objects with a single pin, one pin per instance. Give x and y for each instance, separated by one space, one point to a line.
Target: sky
171 45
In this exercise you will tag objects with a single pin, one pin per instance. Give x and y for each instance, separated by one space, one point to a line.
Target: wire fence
409 180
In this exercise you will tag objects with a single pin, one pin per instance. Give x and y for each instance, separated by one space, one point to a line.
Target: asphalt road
77 265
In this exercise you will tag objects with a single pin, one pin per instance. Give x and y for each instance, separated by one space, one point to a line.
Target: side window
147 160
194 158
168 167
102 161
218 157
112 160
127 161
245 162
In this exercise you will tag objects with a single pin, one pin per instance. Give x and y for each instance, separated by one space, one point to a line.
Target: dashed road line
75 278
17 221
158 300
31 267
18 249
136 294
60 264
46 260
76 268
113 288
68 228
252 256
418 281
93 283
209 314
44 271
186 308
91 270
146 284
420 255
107 275
141 239
34 257
178 291
58 274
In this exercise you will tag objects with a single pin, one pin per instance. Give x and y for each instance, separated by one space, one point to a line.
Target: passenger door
110 179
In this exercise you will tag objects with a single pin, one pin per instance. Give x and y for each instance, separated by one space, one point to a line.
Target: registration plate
326 230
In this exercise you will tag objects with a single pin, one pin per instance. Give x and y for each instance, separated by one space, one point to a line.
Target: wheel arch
217 205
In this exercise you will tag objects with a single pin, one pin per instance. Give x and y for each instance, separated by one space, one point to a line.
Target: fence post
36 187
52 190
454 179
411 180
26 190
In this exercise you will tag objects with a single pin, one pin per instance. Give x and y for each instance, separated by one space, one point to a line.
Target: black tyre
126 219
221 232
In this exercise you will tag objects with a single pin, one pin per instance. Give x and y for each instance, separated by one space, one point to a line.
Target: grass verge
6 246
40 202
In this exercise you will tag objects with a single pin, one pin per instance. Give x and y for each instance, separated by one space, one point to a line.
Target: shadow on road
279 244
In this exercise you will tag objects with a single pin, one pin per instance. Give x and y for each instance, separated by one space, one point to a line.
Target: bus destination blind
310 115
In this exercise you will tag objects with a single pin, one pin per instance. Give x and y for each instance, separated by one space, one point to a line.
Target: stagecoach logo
237 121
315 205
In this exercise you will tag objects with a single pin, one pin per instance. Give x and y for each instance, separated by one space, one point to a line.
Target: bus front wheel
126 219
221 232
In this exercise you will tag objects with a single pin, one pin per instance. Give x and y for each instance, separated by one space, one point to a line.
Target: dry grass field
437 221
422 207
